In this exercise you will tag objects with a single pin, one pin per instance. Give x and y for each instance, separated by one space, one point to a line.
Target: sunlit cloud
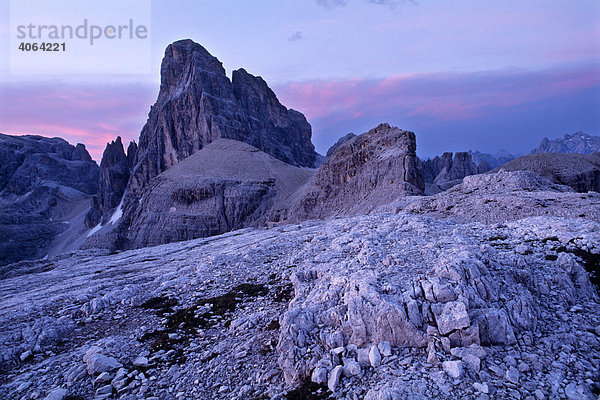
440 96
438 105
86 113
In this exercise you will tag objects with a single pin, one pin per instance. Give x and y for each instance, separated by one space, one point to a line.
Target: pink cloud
89 114
450 97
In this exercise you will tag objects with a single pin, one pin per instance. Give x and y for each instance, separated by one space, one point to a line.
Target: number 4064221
42 47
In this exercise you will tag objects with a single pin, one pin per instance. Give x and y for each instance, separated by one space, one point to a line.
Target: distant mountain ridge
577 142
46 185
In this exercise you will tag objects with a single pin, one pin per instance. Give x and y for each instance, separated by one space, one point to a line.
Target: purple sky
461 74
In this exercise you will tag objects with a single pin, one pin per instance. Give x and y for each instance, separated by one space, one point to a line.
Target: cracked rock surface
379 306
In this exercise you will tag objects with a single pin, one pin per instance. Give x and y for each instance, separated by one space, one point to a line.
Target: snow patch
118 212
94 230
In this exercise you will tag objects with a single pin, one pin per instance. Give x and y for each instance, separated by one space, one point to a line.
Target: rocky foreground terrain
399 305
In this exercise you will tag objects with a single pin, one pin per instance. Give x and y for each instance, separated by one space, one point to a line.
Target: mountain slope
579 171
45 184
225 186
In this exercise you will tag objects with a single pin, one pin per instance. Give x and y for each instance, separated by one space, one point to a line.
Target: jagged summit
198 104
578 142
365 171
115 168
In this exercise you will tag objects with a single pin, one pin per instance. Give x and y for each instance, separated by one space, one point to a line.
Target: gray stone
414 313
363 357
25 355
494 326
451 316
334 378
453 369
141 362
103 378
319 375
473 350
481 387
374 357
97 363
472 363
351 368
56 394
578 392
512 375
107 389
23 386
385 348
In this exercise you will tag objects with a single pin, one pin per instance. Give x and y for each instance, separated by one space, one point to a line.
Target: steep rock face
28 160
131 152
271 127
198 104
44 184
493 160
225 186
578 142
460 166
340 142
579 171
115 168
365 172
483 167
447 168
433 167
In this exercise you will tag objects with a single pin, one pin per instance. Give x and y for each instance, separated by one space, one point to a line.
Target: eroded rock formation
198 104
449 170
340 142
115 169
366 171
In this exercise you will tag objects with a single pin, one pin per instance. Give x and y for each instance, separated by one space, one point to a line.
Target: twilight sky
480 75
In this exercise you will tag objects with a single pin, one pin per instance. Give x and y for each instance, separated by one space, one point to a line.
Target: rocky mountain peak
578 142
450 169
131 152
198 104
362 173
184 64
80 153
113 153
341 141
115 169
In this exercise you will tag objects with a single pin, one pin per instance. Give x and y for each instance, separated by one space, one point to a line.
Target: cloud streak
439 96
432 100
84 113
